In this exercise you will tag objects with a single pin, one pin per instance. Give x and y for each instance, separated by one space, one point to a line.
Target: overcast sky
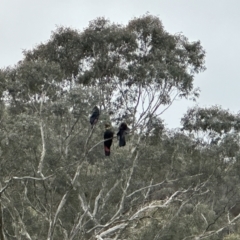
26 23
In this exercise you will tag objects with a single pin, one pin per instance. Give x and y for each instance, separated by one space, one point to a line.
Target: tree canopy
165 184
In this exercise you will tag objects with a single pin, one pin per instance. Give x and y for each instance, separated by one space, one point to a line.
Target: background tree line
56 182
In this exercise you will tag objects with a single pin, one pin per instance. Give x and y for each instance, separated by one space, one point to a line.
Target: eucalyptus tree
212 120
139 65
134 73
218 131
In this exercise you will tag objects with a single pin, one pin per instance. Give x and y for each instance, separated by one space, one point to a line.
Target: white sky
26 23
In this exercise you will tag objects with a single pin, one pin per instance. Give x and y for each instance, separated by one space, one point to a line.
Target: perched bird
95 115
123 130
108 136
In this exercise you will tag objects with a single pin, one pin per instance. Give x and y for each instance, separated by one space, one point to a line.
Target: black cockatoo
123 130
108 135
95 115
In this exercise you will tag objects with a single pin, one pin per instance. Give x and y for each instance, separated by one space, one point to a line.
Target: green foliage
213 119
232 237
56 182
119 60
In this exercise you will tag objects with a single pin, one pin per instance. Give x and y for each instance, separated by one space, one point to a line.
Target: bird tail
122 141
107 151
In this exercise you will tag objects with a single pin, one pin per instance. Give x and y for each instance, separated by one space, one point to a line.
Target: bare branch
96 203
147 187
111 230
109 192
126 187
77 227
40 166
33 178
1 223
85 207
53 222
